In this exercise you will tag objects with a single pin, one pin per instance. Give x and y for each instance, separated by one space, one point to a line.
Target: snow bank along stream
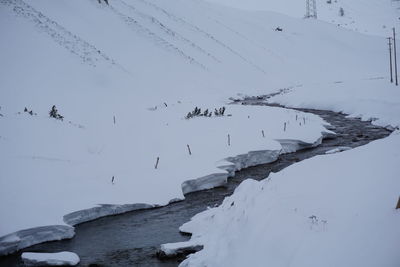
134 238
87 174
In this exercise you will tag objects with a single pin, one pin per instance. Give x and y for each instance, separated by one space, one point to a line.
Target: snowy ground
148 63
368 99
50 259
331 210
61 162
351 194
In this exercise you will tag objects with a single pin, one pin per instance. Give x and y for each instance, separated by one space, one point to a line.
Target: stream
132 239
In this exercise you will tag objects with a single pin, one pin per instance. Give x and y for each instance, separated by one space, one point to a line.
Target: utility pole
311 9
395 57
315 9
390 55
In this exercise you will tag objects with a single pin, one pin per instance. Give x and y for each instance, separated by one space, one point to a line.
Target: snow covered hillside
124 76
376 17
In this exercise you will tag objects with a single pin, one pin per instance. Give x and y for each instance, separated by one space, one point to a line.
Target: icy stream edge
25 238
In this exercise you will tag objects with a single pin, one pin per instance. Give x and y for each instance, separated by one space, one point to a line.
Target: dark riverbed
132 239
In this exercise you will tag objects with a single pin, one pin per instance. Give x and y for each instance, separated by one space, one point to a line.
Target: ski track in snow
198 30
87 52
92 56
167 30
247 39
137 27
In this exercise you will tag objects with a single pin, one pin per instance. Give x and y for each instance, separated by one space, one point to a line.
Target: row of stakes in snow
229 140
190 151
54 113
285 123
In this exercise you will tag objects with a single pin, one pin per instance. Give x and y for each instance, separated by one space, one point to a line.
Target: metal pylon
311 9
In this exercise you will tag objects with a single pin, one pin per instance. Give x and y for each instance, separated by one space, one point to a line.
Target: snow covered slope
336 210
375 17
331 210
370 99
146 64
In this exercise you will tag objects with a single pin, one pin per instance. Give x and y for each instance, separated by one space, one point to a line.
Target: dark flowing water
132 239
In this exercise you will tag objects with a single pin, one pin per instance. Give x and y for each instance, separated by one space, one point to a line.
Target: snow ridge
50 259
86 215
29 237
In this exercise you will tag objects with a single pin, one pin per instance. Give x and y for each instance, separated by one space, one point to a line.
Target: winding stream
132 239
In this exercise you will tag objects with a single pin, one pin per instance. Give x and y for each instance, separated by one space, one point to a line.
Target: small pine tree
341 12
54 114
197 111
219 112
